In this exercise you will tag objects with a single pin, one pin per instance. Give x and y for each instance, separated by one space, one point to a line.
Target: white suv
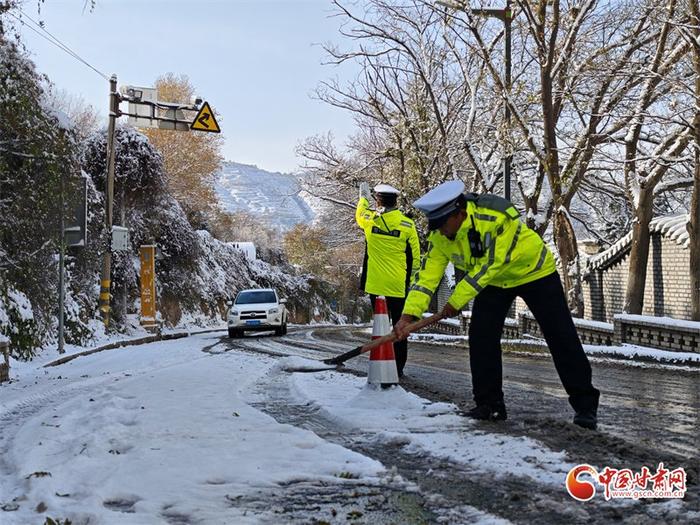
258 309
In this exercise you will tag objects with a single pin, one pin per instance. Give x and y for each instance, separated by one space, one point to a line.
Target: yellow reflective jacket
392 253
513 255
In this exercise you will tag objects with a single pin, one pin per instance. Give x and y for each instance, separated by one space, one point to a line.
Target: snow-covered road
151 434
169 433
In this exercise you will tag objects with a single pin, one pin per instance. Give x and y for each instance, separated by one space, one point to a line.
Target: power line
55 41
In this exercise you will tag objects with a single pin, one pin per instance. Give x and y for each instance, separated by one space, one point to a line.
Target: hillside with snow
271 196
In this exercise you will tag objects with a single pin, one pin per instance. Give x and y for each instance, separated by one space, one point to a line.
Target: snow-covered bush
38 157
195 273
17 321
138 165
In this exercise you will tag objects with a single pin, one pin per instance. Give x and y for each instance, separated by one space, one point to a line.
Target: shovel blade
340 359
319 369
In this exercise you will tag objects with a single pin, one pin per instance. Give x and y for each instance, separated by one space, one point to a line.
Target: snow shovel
388 338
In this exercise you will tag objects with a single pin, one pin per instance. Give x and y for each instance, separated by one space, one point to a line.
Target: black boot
586 419
586 408
495 412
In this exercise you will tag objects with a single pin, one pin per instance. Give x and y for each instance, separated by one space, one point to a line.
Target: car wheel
284 328
232 333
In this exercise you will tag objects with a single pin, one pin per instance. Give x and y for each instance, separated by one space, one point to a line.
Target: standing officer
392 254
503 258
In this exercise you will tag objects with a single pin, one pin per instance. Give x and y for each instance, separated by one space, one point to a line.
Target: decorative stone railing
460 326
590 332
658 332
654 332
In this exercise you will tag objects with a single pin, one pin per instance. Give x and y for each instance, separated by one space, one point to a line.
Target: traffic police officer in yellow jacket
483 236
392 254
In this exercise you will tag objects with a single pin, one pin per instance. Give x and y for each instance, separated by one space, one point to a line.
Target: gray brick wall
667 290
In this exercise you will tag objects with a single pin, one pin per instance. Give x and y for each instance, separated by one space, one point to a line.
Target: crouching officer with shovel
503 258
392 254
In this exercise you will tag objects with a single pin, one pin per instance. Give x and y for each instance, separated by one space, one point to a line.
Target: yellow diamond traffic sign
205 120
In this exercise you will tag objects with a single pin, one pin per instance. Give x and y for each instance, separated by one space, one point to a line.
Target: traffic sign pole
61 269
204 121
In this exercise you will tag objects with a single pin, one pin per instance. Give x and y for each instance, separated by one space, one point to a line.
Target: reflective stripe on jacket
392 243
513 255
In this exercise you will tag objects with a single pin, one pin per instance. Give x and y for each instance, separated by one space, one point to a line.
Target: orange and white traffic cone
382 363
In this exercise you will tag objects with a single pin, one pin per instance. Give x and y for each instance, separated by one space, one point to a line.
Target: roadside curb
130 342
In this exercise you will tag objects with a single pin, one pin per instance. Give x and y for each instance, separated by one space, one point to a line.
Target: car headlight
234 313
273 310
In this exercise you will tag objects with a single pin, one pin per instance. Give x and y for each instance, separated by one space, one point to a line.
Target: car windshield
258 296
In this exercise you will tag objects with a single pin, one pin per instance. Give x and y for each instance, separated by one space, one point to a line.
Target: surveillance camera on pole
146 111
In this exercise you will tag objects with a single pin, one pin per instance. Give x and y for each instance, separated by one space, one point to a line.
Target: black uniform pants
395 307
546 300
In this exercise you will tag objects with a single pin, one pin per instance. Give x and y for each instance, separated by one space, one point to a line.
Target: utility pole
505 15
507 20
61 268
106 280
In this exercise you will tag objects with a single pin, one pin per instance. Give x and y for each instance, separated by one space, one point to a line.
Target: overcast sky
255 61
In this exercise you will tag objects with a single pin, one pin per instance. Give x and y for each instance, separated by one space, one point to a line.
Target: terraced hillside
271 196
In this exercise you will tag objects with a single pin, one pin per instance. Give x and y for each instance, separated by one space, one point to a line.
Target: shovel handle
388 338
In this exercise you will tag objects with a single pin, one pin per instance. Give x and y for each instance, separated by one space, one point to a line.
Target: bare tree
85 118
644 172
591 62
191 160
331 179
409 98
694 224
592 105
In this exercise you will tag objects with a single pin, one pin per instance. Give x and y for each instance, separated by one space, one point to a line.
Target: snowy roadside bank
135 334
165 336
